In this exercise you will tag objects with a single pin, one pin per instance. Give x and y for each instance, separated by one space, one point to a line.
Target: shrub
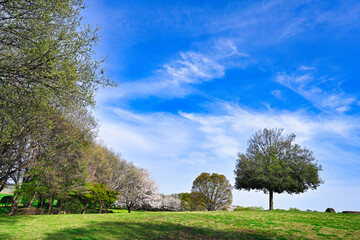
7 200
72 205
240 208
294 210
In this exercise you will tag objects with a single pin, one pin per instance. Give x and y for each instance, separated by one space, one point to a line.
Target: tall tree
46 62
215 189
274 164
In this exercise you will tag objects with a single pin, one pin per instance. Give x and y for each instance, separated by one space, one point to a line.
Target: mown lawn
184 225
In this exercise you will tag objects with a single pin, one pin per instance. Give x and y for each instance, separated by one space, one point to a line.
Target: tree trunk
59 203
32 200
271 201
83 209
41 203
51 202
14 204
2 183
101 206
129 209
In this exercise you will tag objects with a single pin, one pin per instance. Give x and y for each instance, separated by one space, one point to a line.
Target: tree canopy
47 69
273 163
48 80
215 190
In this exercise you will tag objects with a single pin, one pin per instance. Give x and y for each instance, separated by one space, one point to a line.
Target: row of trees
48 79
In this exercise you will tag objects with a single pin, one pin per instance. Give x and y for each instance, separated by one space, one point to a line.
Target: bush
240 208
72 205
294 210
7 200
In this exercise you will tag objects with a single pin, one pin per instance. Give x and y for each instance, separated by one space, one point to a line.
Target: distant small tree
215 190
273 163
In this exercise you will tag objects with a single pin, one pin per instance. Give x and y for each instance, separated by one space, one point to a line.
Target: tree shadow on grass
135 230
5 236
8 220
4 211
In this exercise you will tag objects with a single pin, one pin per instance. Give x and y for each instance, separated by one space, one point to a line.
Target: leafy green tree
215 190
274 164
103 165
103 195
85 198
191 201
47 64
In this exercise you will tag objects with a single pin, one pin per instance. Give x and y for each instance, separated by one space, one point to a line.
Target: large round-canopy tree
214 190
274 164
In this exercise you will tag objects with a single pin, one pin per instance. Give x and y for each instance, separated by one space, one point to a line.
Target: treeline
48 148
48 78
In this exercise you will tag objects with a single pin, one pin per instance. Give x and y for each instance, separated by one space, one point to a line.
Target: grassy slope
183 225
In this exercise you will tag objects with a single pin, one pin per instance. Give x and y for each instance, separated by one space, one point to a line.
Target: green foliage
294 209
47 68
6 200
272 163
72 205
213 191
240 208
191 201
102 193
104 196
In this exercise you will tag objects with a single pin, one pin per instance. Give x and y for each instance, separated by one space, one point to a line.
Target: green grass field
183 225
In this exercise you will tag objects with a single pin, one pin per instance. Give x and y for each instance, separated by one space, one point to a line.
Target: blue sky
198 78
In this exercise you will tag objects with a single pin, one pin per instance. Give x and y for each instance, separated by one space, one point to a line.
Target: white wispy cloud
345 16
206 64
193 67
277 94
177 77
309 88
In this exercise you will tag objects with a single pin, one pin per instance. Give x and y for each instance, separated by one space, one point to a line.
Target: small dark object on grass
105 211
330 210
29 211
351 212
